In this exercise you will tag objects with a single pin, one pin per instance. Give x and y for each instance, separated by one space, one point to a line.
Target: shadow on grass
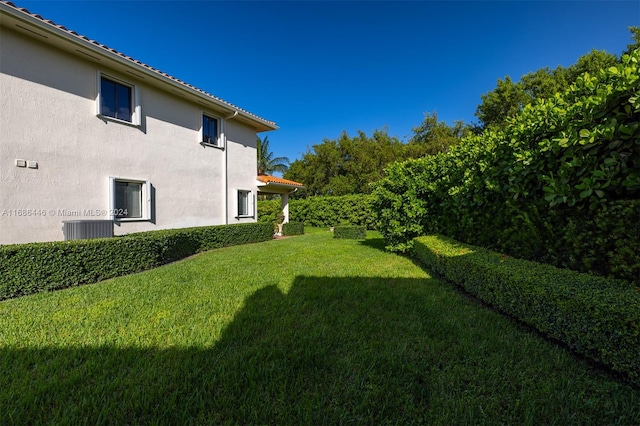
330 351
376 243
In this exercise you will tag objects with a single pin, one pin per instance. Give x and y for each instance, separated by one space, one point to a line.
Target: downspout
226 169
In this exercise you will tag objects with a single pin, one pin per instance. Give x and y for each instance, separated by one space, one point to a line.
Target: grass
304 330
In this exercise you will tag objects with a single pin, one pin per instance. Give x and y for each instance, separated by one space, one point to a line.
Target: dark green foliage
433 136
350 232
346 165
270 211
36 267
594 316
349 165
293 228
323 211
604 241
529 188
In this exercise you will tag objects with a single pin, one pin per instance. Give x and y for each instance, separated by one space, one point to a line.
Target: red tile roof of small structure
272 179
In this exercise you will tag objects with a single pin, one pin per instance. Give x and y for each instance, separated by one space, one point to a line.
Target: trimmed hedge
293 228
323 212
595 316
36 267
351 232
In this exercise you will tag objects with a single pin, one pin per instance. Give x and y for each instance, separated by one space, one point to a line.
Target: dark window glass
128 200
108 97
209 130
116 100
123 102
243 203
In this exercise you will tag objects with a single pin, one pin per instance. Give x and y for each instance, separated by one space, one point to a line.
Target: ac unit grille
85 229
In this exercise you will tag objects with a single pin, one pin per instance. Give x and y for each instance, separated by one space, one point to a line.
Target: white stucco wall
48 115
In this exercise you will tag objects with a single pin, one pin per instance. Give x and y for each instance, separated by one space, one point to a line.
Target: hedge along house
87 133
275 185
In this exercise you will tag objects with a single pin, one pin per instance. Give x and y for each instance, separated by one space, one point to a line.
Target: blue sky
318 68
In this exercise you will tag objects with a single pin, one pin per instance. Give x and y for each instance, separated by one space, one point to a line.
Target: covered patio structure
275 185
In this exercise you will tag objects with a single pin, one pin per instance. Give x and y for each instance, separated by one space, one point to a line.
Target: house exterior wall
48 115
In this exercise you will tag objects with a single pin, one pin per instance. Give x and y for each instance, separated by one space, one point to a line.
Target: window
117 100
130 199
245 203
210 131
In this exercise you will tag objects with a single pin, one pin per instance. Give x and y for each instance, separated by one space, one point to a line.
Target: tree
635 35
433 136
267 164
509 97
506 100
346 165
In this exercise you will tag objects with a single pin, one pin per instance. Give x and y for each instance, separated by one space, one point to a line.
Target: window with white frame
117 100
130 199
210 133
245 203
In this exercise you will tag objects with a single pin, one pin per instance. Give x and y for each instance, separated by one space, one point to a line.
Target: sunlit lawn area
303 330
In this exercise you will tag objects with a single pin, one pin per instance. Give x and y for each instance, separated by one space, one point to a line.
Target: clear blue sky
318 68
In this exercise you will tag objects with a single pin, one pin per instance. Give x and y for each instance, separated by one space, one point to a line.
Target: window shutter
112 197
137 115
147 192
99 95
251 201
237 204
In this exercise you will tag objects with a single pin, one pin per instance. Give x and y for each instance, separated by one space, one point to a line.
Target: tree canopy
348 165
509 97
345 165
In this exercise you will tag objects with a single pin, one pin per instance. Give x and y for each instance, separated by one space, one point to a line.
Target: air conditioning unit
85 229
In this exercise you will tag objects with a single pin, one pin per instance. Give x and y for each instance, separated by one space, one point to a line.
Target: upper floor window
211 131
117 100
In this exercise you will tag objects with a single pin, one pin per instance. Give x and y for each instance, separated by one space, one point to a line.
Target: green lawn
303 330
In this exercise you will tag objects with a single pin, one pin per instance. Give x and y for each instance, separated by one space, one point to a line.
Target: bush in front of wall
322 212
350 232
293 228
595 316
36 267
269 211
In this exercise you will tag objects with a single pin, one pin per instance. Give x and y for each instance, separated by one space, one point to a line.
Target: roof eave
260 124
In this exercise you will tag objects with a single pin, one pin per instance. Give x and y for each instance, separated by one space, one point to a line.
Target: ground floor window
245 203
130 199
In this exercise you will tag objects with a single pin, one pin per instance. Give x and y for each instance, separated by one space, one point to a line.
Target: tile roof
272 179
95 44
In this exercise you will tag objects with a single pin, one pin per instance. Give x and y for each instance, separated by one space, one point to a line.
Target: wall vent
85 229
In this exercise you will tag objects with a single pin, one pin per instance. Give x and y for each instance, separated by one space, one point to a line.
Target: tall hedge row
322 211
31 268
562 167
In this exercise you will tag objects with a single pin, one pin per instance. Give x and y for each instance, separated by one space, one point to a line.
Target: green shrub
269 211
293 228
529 188
351 232
322 211
595 316
31 268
